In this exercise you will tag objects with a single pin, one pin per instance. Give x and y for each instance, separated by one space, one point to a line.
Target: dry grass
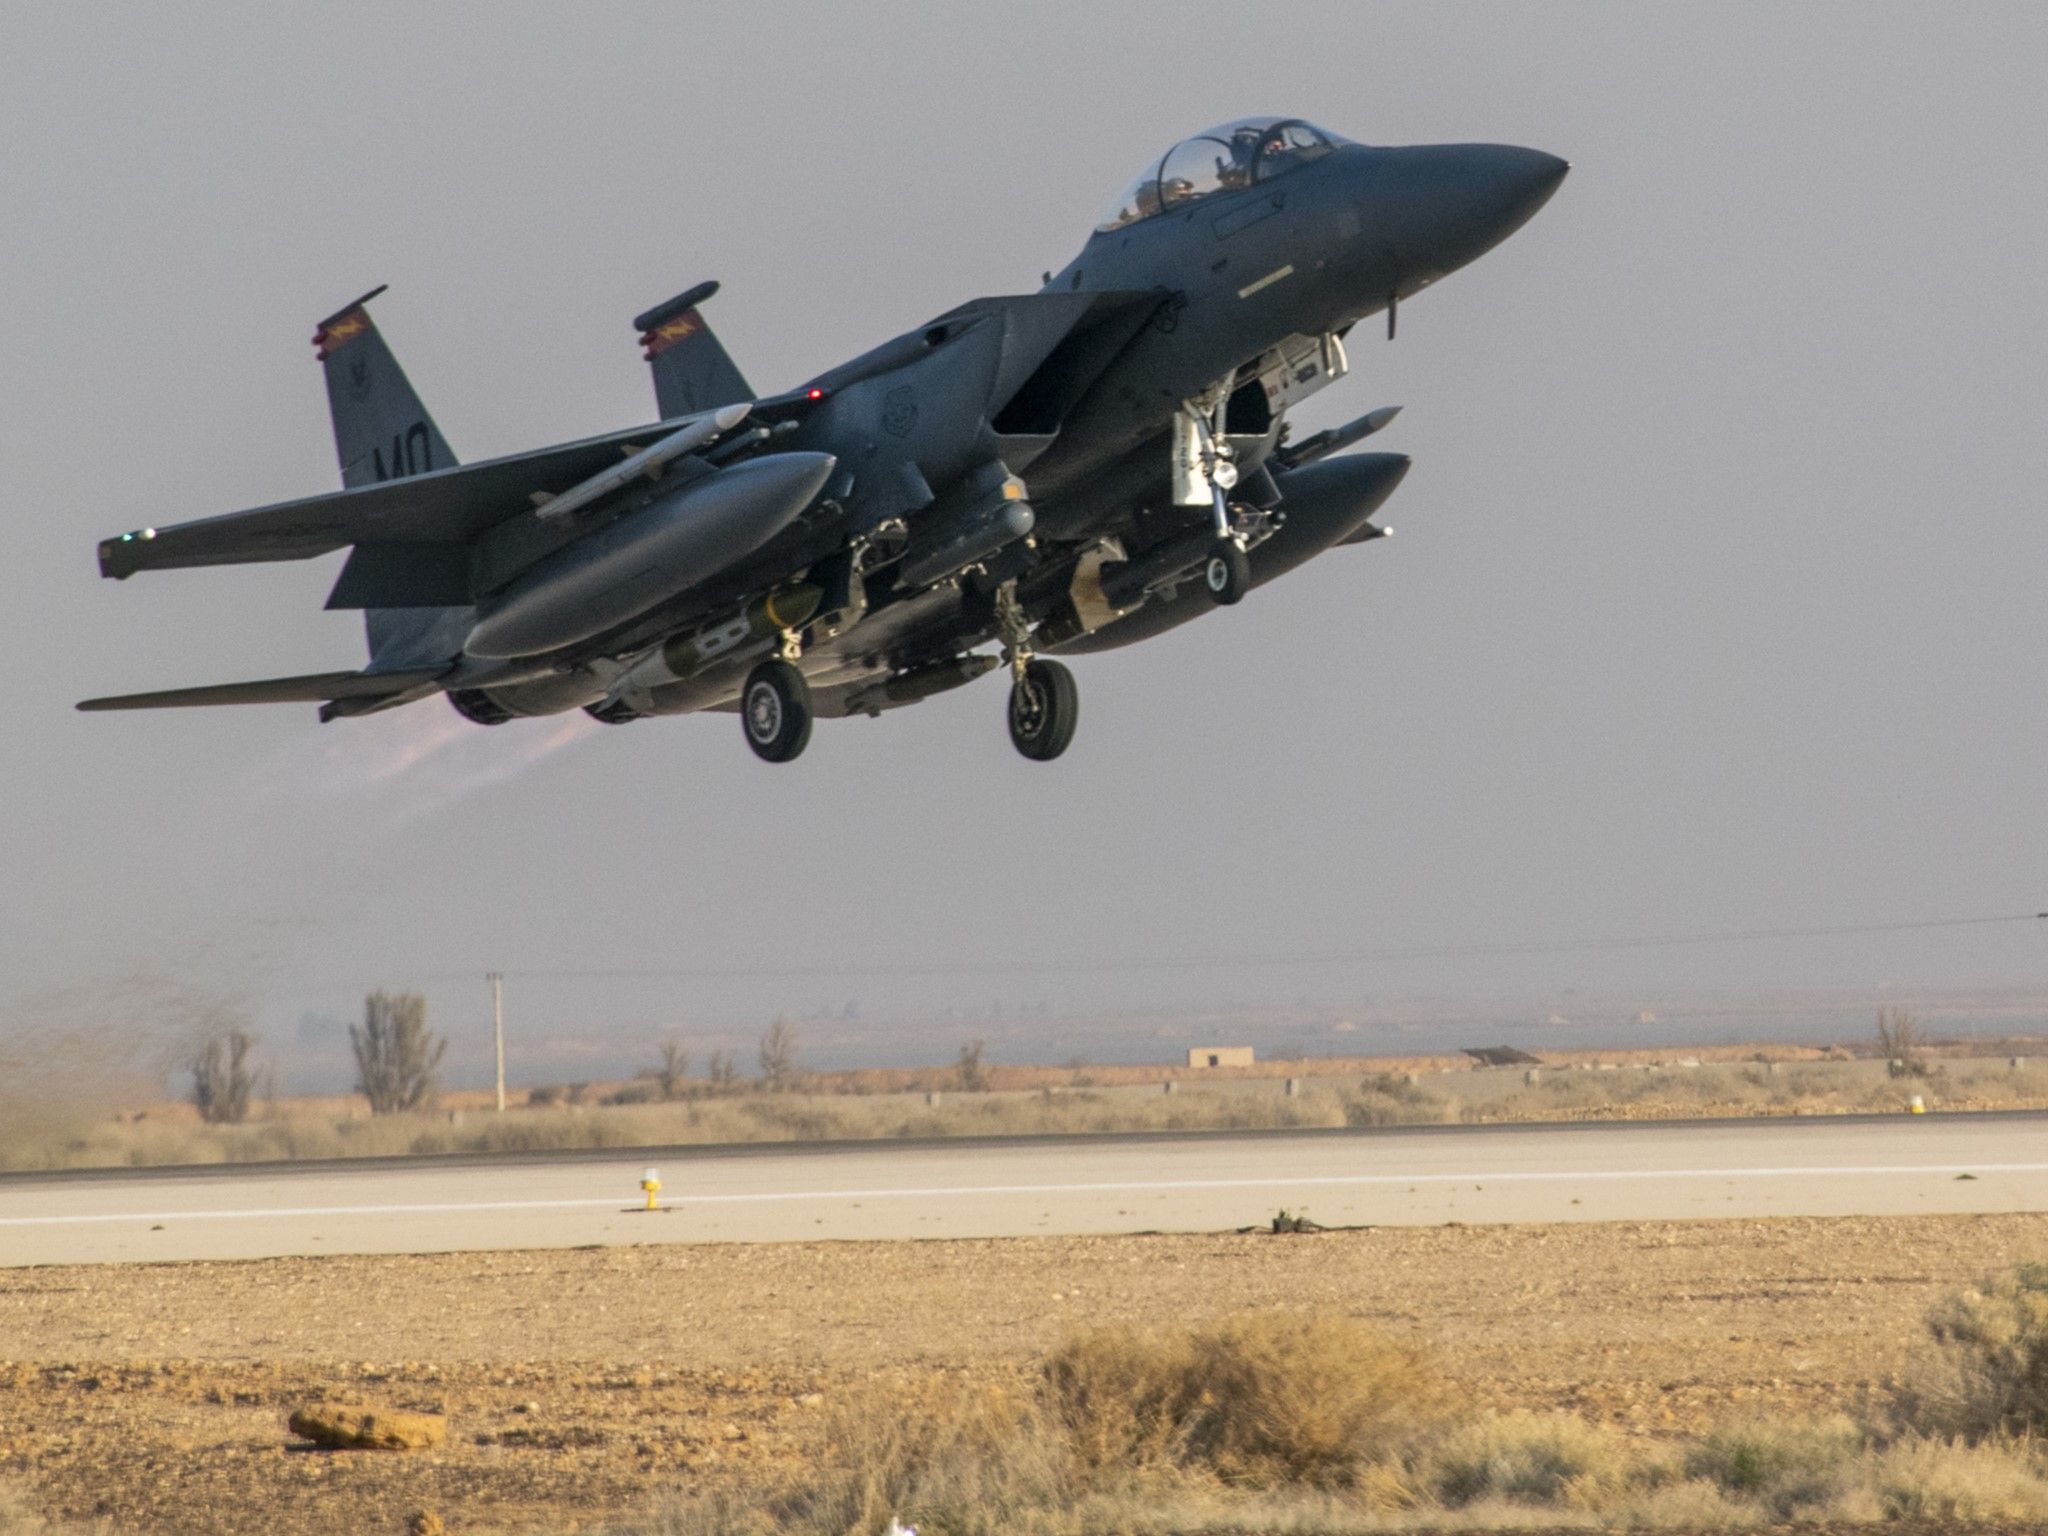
740 1118
1985 1372
1950 1483
45 1130
1786 1467
16 1518
1552 1460
1279 1422
1262 1399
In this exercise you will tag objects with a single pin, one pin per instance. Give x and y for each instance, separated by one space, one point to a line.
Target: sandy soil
582 1384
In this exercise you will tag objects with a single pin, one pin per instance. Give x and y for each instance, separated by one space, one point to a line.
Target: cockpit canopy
1221 159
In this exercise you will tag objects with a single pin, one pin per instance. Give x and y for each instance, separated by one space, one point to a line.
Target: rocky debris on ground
589 1385
351 1427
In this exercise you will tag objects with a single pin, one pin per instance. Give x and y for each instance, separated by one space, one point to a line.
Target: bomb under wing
739 634
647 556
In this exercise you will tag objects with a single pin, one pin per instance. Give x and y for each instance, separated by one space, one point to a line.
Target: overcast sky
1716 600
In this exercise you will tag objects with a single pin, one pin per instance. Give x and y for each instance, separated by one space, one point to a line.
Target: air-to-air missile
991 512
647 556
689 439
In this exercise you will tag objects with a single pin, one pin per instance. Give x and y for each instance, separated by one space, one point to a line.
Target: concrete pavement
1865 1165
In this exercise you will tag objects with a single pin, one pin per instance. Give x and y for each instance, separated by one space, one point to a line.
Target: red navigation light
814 394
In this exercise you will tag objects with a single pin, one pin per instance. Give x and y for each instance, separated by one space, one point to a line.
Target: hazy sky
1715 602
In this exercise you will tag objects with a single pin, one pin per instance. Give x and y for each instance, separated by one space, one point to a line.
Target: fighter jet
1025 476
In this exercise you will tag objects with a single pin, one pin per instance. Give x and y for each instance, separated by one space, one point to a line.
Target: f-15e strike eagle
1063 471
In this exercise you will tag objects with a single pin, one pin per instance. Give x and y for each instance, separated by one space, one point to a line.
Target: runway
1015 1187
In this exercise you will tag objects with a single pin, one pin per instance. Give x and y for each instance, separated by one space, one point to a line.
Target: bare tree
675 1066
221 1079
972 1078
722 1073
1901 1041
778 1056
396 1056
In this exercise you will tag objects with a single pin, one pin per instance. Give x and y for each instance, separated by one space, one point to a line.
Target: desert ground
587 1390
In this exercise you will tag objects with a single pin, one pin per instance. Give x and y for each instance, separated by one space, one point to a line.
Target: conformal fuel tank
646 558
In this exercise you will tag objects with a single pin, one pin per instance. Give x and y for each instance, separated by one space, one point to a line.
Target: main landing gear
775 708
1045 706
1045 703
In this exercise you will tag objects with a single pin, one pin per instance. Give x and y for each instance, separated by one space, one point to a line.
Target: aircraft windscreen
1220 159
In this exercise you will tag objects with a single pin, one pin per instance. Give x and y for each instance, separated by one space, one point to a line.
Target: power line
1221 959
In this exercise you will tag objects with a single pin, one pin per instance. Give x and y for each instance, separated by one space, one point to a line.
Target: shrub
1786 1465
1956 1483
1528 1458
1987 1372
1262 1398
1389 1099
940 1456
396 1057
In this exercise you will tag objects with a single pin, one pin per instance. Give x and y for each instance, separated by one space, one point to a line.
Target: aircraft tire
1227 573
1044 709
775 710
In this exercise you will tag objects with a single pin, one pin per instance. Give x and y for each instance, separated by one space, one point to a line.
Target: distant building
1219 1055
1501 1056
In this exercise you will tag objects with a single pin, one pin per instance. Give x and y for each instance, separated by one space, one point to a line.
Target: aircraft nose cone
1452 203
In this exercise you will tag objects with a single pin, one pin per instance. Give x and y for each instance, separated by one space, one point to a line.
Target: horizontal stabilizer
444 506
316 688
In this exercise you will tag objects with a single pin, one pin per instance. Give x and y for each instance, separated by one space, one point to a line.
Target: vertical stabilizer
692 370
383 432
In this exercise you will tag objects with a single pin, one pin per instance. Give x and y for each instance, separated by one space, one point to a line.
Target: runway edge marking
1151 1186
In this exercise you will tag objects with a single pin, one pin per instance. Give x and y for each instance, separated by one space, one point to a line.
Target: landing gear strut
1045 703
1227 573
775 708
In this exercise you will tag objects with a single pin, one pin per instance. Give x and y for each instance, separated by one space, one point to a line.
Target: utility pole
497 981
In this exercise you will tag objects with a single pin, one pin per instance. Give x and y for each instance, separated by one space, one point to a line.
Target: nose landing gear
1227 573
1204 464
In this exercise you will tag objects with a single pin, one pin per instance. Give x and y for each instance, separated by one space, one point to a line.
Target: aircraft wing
315 688
444 506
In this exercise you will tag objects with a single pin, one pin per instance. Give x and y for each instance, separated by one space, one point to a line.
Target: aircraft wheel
775 708
1045 705
1227 573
